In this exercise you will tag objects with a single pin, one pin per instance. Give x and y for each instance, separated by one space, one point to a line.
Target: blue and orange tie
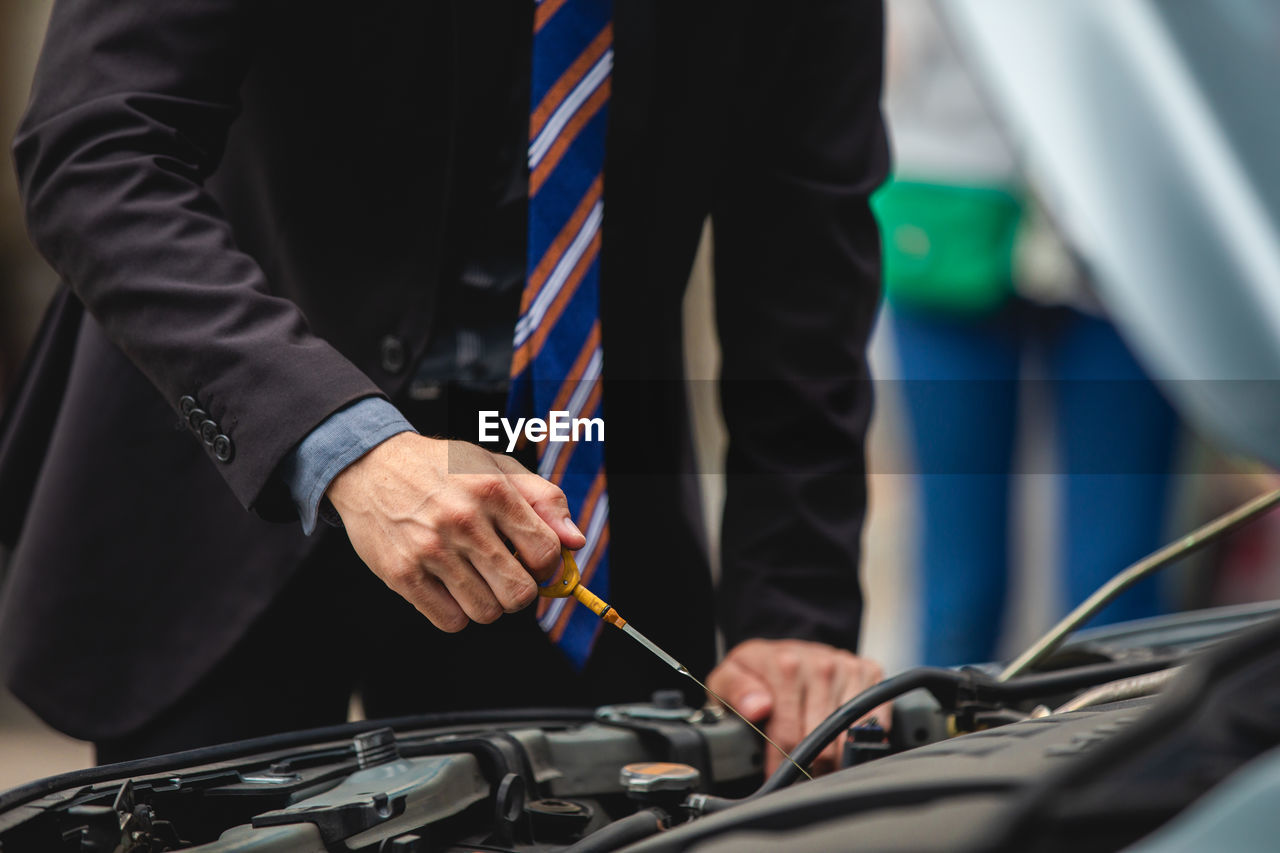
558 359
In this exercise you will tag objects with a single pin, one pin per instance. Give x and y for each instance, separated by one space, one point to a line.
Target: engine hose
1116 691
938 681
623 831
946 685
1044 684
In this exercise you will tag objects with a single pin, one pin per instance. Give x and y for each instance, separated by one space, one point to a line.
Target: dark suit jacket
253 199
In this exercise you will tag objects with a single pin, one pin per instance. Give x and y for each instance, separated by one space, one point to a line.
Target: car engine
1118 732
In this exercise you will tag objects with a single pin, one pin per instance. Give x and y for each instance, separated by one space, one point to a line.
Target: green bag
947 249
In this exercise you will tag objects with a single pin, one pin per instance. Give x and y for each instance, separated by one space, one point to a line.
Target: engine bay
1118 732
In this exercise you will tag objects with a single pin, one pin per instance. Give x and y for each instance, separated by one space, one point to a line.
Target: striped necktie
557 360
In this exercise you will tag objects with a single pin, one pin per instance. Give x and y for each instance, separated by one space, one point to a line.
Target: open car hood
1150 129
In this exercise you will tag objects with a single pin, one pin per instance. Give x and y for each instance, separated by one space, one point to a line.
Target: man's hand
794 685
430 517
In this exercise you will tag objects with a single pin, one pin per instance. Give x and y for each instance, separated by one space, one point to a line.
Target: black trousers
336 630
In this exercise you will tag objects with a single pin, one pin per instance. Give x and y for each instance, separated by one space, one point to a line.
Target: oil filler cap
663 778
556 821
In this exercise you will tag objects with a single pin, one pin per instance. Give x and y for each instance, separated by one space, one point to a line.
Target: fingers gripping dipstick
569 585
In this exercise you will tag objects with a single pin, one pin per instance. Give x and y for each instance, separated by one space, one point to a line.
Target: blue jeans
1114 443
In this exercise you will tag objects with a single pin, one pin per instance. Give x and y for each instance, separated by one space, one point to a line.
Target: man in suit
282 220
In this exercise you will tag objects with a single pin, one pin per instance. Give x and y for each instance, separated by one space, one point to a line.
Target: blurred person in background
977 285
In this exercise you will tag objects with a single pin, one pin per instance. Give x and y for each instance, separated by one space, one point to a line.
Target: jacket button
393 353
223 449
208 432
187 404
195 418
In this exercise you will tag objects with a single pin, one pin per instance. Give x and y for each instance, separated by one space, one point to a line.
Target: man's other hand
789 687
430 517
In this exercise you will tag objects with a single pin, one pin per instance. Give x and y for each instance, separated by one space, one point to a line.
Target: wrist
351 486
342 438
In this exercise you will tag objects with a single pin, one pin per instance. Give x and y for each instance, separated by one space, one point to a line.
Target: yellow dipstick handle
570 584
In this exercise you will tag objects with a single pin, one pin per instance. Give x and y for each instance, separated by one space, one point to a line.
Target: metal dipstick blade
741 716
653 647
680 668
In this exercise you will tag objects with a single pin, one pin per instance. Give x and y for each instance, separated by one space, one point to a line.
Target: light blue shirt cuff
339 440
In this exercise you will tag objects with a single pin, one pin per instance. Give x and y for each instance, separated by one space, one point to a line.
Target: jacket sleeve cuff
339 440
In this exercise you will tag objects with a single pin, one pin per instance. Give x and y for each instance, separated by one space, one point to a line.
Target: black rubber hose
938 681
623 831
1076 678
946 685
